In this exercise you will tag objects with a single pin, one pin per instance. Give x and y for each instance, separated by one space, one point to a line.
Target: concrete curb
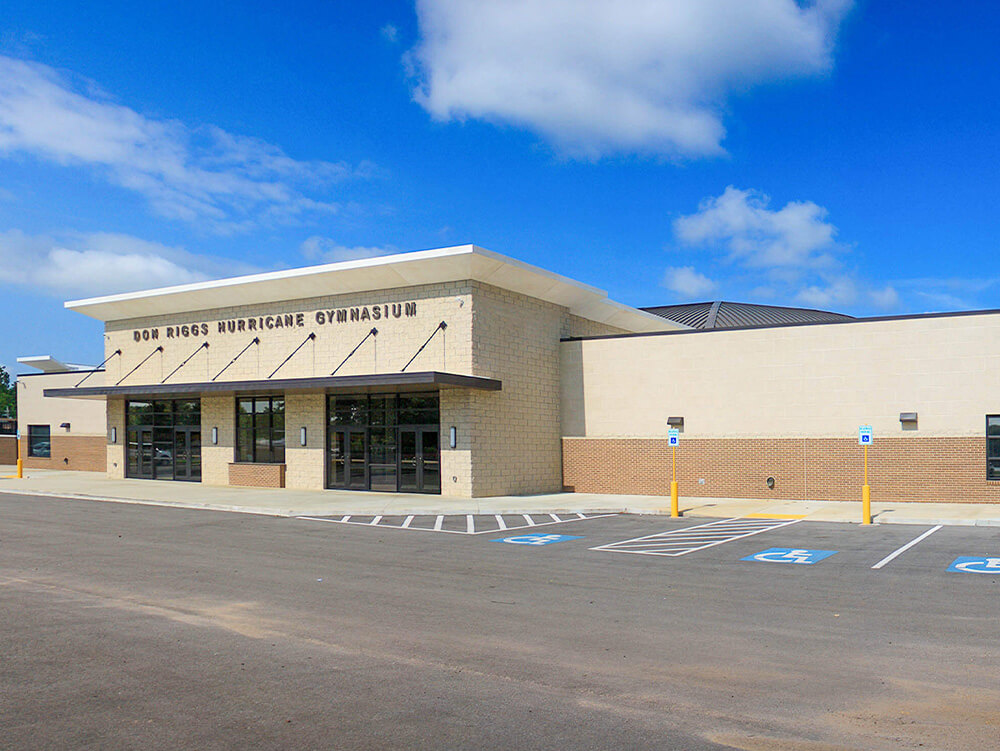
698 513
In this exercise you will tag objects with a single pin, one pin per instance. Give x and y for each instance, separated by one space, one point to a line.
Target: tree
8 396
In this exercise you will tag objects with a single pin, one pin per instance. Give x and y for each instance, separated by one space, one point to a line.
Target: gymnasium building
465 373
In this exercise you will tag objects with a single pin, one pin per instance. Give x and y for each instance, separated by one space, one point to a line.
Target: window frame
48 439
992 457
257 431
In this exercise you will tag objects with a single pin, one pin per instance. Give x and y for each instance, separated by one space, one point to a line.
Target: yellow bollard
866 496
20 463
674 508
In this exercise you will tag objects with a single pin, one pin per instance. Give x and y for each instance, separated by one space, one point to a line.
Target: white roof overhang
464 262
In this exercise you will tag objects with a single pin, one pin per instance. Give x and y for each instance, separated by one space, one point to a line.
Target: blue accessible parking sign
790 555
975 564
537 539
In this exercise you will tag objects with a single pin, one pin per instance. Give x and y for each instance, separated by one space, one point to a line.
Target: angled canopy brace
440 327
373 332
116 352
158 349
204 345
255 340
304 342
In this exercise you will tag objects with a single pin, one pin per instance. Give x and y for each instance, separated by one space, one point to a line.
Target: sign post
673 438
865 439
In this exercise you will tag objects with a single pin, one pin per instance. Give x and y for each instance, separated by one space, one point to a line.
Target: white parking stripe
414 522
679 542
554 518
906 547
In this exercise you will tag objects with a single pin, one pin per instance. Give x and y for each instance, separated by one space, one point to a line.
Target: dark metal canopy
428 380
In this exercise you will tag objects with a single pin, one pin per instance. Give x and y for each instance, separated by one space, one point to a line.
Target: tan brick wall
115 454
84 453
217 412
397 341
305 465
257 475
514 434
830 469
8 449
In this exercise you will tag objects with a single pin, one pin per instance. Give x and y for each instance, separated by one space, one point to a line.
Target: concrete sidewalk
273 502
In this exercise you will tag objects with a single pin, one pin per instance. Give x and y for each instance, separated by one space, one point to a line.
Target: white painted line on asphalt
680 542
554 518
531 522
438 526
907 546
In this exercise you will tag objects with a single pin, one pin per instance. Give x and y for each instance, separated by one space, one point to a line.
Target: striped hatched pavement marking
470 521
677 542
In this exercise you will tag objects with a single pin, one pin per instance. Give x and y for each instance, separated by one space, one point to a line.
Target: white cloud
788 255
102 263
390 33
603 76
739 220
686 282
325 250
198 174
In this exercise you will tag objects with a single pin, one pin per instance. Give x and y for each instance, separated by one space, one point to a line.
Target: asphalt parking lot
144 627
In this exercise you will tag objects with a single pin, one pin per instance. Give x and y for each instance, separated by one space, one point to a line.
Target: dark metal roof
738 315
429 379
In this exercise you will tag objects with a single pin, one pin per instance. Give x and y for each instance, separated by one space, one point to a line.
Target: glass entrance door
386 442
187 455
348 460
163 440
419 460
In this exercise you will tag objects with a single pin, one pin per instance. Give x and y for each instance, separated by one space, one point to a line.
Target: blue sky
832 154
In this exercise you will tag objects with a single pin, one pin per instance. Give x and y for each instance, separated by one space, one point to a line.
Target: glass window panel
39 441
140 413
278 420
278 404
993 448
993 425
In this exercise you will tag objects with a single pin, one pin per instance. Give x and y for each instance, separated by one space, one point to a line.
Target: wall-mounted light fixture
908 420
215 436
65 425
452 437
114 434
676 422
302 436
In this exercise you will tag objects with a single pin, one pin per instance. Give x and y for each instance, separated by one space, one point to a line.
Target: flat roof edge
795 324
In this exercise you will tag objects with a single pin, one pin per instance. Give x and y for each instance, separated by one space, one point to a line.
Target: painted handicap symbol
790 555
974 564
537 539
